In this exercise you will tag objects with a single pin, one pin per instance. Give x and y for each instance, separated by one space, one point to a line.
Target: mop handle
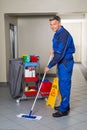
40 85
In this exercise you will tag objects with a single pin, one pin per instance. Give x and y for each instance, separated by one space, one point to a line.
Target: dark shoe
57 108
60 114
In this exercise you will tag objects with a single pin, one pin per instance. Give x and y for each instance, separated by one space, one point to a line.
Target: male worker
63 49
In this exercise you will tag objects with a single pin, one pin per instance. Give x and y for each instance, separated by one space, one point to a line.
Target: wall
84 42
35 6
74 26
2 50
34 37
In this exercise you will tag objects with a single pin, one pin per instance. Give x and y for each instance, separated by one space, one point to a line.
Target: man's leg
65 88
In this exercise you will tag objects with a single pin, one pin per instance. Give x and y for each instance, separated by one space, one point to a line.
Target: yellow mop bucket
54 93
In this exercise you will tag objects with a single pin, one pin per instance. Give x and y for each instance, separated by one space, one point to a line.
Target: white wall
84 42
35 6
34 37
2 50
74 26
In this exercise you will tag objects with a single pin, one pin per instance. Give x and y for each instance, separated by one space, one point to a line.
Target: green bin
26 58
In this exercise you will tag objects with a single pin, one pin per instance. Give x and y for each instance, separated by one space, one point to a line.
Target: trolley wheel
18 101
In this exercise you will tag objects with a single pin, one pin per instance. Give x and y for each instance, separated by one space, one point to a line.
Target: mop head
31 117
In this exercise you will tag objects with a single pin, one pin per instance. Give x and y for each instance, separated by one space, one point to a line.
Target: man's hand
51 52
46 69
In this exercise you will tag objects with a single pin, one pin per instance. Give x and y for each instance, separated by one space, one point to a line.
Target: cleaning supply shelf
31 75
31 79
31 64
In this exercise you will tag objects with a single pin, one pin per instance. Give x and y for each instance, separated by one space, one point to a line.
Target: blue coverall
64 48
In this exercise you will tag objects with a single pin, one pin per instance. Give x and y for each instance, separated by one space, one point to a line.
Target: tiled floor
76 120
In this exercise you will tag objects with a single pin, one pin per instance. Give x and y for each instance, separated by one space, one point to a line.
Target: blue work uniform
64 48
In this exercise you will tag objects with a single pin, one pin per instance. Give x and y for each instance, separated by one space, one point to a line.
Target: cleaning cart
32 79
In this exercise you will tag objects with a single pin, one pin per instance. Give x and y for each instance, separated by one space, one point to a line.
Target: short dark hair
55 18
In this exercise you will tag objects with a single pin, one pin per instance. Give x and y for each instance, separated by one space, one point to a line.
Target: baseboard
3 84
77 62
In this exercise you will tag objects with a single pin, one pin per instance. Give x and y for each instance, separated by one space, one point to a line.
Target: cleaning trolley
32 79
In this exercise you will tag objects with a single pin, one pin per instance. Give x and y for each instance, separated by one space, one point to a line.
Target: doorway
74 26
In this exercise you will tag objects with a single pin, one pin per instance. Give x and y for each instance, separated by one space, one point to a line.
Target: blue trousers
65 75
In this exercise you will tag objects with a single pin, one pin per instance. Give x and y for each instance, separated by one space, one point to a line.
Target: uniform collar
60 30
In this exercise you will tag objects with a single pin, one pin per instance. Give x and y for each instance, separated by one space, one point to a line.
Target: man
63 49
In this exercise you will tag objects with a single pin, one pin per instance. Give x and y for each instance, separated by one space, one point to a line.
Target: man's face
55 25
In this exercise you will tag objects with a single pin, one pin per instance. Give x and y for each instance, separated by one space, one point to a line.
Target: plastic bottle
26 87
33 72
26 72
30 72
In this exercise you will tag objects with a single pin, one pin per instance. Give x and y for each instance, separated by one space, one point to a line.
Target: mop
30 116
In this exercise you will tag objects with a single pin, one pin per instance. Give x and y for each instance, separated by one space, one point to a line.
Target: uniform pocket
68 65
